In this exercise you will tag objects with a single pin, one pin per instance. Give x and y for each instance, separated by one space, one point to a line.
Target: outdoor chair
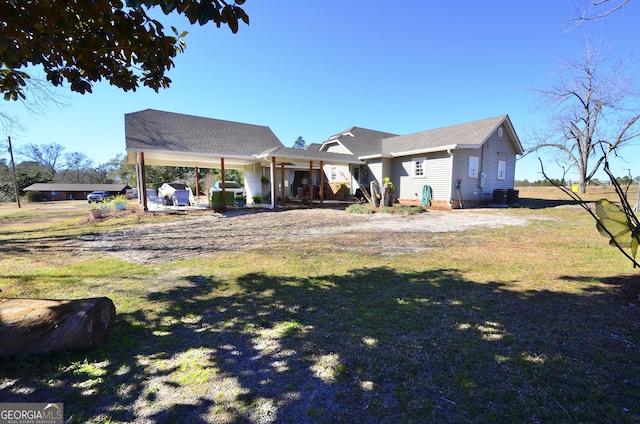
152 199
181 198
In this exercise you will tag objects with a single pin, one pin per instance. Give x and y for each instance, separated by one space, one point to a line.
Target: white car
230 187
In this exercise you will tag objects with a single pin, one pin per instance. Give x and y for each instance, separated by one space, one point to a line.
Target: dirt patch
203 234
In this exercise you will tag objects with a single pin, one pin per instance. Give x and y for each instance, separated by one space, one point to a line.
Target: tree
79 163
118 170
589 106
84 41
299 143
46 155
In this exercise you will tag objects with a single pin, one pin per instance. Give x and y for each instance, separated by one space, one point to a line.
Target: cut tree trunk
375 194
49 326
386 195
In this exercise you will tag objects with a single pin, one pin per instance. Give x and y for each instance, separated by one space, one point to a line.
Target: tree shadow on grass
372 345
535 203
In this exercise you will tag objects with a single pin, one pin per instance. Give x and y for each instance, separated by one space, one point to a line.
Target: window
473 166
334 173
502 169
419 167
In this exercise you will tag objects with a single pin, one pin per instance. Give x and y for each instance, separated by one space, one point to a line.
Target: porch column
282 181
222 185
142 192
321 182
197 183
310 183
272 173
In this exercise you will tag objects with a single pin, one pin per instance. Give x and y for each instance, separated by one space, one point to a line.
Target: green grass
535 323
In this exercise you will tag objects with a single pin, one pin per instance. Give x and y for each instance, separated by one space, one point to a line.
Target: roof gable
468 135
358 141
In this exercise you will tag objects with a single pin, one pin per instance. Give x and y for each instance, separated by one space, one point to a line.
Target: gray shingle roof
75 187
362 141
468 134
154 130
315 155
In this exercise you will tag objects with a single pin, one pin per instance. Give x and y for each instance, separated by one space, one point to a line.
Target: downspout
450 153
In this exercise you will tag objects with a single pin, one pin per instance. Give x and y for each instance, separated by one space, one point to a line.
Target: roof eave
430 150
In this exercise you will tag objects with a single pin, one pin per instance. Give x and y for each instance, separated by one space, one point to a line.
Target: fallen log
50 326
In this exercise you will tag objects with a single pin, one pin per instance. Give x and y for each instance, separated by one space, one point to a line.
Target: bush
35 196
257 199
402 210
359 208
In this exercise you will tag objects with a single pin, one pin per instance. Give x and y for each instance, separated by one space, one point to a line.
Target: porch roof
173 139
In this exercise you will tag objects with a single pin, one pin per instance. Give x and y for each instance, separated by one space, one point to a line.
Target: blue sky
312 69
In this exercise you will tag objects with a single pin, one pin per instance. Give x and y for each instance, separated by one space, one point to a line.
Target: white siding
437 176
375 172
495 149
343 175
337 148
252 183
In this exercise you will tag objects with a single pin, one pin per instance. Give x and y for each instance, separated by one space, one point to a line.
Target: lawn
535 323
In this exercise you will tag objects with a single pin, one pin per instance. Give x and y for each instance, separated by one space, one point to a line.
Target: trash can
575 188
500 196
216 199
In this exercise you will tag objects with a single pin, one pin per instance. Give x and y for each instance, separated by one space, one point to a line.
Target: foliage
119 199
35 196
402 210
256 198
387 181
264 180
619 223
359 208
299 143
85 41
343 191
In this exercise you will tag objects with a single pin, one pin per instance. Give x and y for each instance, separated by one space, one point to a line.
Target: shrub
257 198
402 210
35 196
359 208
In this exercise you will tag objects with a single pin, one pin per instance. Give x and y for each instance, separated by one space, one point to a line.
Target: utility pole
15 179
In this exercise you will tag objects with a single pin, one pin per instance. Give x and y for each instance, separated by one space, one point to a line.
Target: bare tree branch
595 10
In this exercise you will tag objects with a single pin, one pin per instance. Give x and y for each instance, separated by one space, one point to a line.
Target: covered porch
291 173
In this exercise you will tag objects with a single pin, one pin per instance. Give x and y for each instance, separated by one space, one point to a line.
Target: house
461 164
56 191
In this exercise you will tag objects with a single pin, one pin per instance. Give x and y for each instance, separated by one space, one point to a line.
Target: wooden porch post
197 183
321 182
143 182
310 183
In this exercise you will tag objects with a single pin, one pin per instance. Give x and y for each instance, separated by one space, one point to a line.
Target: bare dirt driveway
205 233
